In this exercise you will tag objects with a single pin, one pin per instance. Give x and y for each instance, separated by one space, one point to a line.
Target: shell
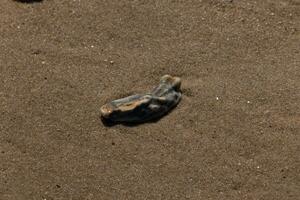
145 107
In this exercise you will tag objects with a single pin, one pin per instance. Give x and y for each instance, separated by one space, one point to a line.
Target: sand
234 135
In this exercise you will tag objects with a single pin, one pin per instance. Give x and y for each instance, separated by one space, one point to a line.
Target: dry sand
235 134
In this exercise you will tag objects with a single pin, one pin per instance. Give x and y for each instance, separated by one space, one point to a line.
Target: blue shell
145 107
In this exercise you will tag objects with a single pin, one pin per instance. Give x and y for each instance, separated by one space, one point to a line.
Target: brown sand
235 134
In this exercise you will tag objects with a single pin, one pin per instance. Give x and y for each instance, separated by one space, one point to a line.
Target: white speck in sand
248 101
217 98
43 62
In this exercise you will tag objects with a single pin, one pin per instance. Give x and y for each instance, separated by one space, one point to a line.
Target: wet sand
234 135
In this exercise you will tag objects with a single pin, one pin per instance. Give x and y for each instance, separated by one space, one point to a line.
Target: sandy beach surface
234 135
